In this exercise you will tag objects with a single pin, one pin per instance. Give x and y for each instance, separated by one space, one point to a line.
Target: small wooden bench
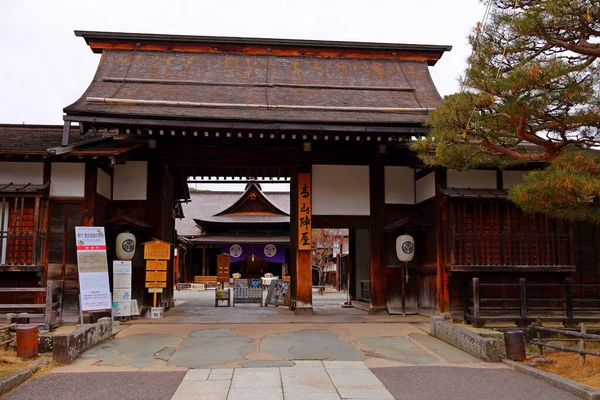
206 280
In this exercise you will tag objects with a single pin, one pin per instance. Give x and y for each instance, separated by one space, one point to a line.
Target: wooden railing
20 235
540 341
525 302
365 290
46 313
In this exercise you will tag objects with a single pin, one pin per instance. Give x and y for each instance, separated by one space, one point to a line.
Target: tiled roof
35 139
255 87
204 205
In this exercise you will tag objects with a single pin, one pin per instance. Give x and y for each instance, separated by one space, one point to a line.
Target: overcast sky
44 67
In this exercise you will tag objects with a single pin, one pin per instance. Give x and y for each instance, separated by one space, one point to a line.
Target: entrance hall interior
247 219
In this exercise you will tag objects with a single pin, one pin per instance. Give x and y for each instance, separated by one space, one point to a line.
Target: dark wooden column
301 274
377 223
443 294
89 196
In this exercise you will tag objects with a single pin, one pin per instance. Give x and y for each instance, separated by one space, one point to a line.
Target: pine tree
531 94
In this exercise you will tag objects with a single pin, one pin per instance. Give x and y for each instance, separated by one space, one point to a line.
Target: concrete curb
67 347
485 348
576 388
13 380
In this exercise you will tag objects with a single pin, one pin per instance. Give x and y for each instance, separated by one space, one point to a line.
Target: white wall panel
399 185
340 190
22 172
104 184
473 179
130 181
67 180
425 188
511 178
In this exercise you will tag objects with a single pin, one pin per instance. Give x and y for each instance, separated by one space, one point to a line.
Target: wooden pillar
301 248
204 269
377 240
442 284
89 196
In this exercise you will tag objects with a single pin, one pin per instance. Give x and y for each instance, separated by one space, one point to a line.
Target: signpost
223 267
156 254
122 288
92 265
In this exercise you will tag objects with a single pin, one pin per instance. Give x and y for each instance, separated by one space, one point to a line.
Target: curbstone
576 388
485 348
15 379
67 347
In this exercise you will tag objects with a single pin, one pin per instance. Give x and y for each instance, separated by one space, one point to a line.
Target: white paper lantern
125 246
405 248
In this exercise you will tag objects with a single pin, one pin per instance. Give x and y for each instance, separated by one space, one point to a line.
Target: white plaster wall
471 179
130 181
340 190
399 185
425 188
103 186
511 178
67 180
22 172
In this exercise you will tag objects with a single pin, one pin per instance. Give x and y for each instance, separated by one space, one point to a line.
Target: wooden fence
46 313
580 337
528 301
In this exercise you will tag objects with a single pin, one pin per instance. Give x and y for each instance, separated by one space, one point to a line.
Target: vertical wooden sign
223 266
304 212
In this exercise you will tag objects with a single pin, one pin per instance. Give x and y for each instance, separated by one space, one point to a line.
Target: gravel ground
435 383
100 386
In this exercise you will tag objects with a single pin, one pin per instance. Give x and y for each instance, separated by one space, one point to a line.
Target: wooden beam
377 223
443 296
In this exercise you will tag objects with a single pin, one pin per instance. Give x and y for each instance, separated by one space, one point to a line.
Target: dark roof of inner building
204 205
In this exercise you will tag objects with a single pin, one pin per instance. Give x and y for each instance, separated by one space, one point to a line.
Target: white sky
44 67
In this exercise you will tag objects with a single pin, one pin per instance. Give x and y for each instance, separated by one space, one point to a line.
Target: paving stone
358 384
266 363
307 364
220 374
137 350
312 396
395 349
211 333
256 377
318 382
309 345
203 351
197 375
205 390
344 365
445 350
255 393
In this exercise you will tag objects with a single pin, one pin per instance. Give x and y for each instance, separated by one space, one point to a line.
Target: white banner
122 288
93 268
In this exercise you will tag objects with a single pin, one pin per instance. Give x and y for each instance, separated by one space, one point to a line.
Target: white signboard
122 288
93 268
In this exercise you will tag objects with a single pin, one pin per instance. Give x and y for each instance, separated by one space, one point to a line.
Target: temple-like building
335 119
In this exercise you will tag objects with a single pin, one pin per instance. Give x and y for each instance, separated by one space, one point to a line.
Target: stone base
377 310
67 347
304 311
486 348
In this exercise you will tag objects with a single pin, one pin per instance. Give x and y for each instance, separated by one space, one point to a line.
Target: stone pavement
338 355
306 380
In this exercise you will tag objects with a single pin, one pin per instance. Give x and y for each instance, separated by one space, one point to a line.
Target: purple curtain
267 251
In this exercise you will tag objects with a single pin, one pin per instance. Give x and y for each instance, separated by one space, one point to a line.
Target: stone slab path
306 380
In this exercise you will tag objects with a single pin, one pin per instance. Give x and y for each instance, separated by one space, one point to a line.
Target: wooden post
48 310
443 294
89 196
540 337
378 277
204 269
582 345
475 299
302 236
523 297
569 297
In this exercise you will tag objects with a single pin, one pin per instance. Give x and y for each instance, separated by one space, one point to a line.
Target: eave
99 41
